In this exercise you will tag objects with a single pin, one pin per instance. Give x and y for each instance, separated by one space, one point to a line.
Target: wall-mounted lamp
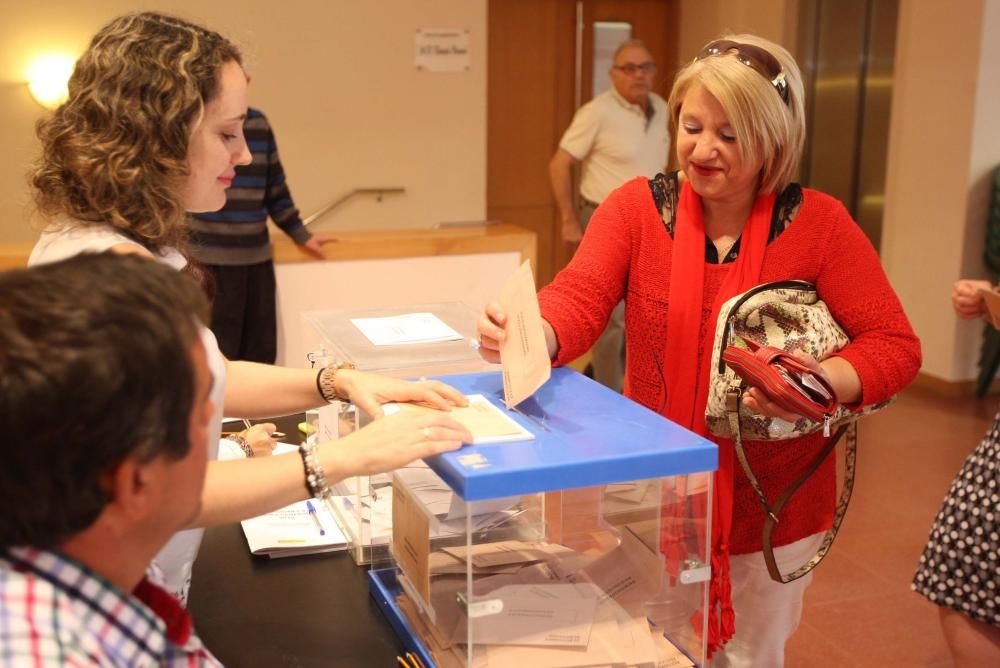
47 79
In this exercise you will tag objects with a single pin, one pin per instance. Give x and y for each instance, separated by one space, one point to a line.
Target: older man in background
620 134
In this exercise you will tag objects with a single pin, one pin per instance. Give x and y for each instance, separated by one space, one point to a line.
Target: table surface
305 611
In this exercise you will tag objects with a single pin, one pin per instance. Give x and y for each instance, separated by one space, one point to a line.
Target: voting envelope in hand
523 355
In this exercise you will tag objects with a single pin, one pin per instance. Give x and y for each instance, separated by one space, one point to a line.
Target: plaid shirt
56 612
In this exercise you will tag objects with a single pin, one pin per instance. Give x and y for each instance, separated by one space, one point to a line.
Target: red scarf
686 400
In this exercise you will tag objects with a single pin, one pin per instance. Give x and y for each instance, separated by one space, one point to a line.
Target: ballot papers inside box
560 581
545 571
365 507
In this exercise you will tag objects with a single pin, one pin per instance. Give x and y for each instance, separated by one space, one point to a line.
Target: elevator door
846 53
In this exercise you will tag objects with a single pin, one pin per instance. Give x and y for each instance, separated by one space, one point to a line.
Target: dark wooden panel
530 99
521 101
538 219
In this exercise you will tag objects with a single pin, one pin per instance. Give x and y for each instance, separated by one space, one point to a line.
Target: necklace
723 255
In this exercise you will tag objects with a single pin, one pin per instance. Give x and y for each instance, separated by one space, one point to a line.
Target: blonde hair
115 153
767 128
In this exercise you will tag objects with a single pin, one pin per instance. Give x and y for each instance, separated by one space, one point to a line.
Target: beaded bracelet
241 441
315 477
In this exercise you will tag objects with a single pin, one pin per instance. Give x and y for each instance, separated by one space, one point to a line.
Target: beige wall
338 81
351 111
944 140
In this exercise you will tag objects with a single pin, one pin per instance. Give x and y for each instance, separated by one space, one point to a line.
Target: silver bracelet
241 441
314 474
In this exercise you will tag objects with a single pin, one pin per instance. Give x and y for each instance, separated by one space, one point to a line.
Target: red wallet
783 378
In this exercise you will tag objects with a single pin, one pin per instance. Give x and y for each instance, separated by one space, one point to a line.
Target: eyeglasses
755 58
632 68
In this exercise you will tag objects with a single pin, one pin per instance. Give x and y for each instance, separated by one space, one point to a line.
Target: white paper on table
405 329
293 530
231 450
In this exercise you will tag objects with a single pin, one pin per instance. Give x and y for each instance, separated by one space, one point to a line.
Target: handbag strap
773 512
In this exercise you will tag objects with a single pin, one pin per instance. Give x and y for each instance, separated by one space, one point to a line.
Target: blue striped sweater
236 235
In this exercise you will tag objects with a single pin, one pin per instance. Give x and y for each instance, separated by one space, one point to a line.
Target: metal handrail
378 192
444 225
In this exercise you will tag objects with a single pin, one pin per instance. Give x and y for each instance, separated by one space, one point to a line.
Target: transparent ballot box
360 510
402 341
395 341
586 545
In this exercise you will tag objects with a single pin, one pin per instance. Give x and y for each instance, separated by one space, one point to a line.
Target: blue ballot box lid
585 434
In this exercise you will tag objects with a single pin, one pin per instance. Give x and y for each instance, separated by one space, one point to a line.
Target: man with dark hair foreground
104 390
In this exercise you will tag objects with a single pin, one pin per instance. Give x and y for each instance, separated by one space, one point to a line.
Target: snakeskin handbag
789 316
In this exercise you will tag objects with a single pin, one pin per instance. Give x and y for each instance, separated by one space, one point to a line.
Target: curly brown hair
115 153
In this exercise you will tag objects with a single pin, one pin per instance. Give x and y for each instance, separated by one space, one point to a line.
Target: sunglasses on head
755 58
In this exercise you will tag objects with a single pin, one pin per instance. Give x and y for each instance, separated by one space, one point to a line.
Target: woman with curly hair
153 128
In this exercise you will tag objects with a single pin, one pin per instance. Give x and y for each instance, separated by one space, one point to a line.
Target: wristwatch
326 381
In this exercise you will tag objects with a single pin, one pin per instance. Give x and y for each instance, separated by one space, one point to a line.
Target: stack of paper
292 530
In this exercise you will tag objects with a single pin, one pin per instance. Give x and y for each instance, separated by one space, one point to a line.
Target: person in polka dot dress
960 567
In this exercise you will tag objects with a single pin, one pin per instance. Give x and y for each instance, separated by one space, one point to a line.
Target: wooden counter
375 244
385 244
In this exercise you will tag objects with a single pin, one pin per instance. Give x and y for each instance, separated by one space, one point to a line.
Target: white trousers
767 612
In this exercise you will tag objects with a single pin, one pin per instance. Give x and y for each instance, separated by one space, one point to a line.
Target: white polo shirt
616 142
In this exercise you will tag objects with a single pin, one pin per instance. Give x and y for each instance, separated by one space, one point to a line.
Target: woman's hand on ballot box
397 440
369 391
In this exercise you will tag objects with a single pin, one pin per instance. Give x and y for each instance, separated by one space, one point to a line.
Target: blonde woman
153 129
675 249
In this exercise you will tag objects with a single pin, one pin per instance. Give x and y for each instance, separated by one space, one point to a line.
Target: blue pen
312 513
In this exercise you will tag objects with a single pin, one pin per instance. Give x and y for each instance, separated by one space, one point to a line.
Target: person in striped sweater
233 245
